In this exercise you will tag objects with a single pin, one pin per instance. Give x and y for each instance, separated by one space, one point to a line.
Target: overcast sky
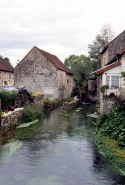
60 27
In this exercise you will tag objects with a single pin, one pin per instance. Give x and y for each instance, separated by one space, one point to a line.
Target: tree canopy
98 44
81 66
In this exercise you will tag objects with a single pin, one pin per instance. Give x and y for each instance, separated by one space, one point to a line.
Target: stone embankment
72 104
10 119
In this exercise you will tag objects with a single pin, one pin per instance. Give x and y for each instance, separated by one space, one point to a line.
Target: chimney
106 41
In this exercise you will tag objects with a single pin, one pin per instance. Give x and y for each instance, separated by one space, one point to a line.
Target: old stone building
40 71
6 73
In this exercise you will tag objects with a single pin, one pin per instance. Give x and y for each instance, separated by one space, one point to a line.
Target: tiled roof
52 59
121 52
115 38
100 71
5 66
105 47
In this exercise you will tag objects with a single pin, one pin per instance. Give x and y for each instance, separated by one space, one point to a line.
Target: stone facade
109 103
6 73
6 78
38 74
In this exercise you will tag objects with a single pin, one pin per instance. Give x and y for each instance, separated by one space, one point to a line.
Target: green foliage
123 75
31 112
75 92
98 44
113 125
50 103
7 59
103 117
35 94
81 66
114 154
104 87
7 98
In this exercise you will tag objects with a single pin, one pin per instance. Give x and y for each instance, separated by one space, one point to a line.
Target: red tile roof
52 59
121 52
5 66
100 71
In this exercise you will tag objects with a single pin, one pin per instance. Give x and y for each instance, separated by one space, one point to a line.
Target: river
56 150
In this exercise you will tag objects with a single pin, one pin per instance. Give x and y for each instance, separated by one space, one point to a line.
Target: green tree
6 58
98 44
81 66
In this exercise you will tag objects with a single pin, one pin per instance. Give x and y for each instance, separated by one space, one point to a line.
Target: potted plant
6 109
12 108
104 87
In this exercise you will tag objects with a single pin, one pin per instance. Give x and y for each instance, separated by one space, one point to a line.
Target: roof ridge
53 59
114 38
54 62
5 65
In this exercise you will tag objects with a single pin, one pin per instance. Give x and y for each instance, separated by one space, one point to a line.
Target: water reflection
58 150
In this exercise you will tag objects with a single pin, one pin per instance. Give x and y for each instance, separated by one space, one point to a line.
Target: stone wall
6 78
70 105
109 103
98 88
37 75
10 119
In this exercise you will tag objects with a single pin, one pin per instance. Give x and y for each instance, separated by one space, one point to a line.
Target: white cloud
61 27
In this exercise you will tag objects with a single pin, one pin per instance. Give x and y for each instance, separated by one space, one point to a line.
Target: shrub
35 93
102 120
113 125
7 98
31 112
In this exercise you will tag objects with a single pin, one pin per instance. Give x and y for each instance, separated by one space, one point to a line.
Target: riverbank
114 154
110 138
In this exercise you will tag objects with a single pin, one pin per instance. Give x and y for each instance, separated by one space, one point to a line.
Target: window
115 81
108 80
104 60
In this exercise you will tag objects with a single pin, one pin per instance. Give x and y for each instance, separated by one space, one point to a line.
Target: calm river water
57 150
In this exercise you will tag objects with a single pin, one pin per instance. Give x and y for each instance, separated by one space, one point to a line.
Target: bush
31 112
102 120
113 125
35 94
7 98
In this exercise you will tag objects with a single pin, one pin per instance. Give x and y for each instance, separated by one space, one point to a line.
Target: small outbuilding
40 71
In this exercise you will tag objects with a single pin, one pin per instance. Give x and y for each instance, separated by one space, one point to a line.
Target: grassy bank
114 154
110 137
